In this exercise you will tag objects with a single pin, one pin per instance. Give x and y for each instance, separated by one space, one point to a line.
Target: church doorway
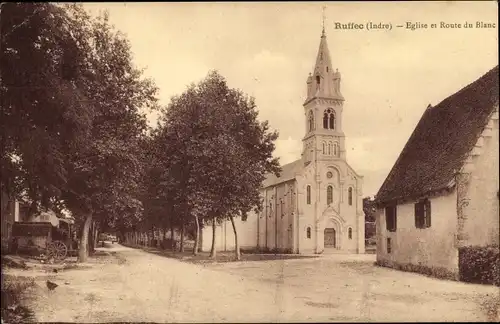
330 238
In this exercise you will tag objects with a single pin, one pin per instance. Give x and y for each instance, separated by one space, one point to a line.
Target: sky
267 50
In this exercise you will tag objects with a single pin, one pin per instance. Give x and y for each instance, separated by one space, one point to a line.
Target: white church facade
315 205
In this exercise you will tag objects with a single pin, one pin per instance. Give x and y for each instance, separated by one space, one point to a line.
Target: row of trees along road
75 136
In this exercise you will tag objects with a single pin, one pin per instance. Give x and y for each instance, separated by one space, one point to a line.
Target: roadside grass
221 257
370 249
14 291
490 305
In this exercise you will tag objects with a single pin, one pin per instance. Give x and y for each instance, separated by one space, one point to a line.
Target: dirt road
143 287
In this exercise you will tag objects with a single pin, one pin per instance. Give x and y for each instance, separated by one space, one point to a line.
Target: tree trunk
236 246
96 235
213 250
151 244
92 238
163 245
182 239
197 238
84 240
172 241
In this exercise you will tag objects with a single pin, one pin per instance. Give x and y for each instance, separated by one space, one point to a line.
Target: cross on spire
323 32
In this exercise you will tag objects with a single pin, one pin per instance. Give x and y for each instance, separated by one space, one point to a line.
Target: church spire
323 31
324 80
323 61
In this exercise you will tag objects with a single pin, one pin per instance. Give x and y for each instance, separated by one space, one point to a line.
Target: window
327 69
308 232
270 209
329 195
423 214
324 148
389 247
329 148
329 119
311 121
391 218
349 233
335 149
349 196
318 79
308 195
332 121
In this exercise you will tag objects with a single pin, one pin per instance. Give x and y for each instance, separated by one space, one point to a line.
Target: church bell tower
324 138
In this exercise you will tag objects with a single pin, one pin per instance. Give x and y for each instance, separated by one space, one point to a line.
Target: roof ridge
468 86
403 150
441 140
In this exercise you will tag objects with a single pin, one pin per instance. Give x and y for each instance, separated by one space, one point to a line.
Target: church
315 206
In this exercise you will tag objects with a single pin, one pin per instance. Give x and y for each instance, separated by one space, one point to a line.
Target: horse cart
45 240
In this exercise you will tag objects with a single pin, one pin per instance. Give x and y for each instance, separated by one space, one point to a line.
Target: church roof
441 141
288 172
323 58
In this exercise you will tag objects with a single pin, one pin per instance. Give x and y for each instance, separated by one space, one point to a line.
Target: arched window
311 121
329 148
324 148
349 196
329 195
318 79
332 121
335 149
329 119
349 233
308 195
308 232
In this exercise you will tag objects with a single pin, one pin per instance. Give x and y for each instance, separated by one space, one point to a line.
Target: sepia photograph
249 162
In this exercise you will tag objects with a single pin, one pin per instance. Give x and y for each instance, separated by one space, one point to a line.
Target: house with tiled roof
442 192
315 205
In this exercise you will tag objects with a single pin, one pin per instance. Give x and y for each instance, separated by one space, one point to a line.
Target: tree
43 113
166 197
71 102
218 153
106 174
369 209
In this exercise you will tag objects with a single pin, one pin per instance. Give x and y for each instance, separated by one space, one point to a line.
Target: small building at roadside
442 192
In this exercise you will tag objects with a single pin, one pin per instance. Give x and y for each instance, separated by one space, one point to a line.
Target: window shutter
417 205
391 218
